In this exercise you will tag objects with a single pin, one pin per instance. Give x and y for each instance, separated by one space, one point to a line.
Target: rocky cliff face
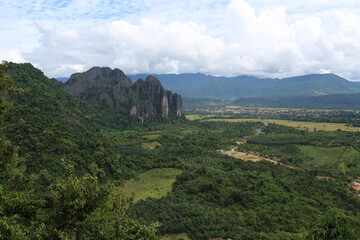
143 99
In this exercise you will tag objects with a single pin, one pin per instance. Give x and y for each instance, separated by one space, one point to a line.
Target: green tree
7 89
335 225
18 206
81 208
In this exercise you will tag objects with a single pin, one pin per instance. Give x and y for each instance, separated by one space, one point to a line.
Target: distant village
268 112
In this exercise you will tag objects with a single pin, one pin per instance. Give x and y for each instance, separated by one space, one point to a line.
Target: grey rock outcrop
143 99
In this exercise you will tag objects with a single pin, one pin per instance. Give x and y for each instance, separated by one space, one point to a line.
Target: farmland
311 126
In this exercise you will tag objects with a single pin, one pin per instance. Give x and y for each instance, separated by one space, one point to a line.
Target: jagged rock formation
143 99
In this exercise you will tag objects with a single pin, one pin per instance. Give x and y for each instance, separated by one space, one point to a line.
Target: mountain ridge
113 89
206 86
198 85
331 101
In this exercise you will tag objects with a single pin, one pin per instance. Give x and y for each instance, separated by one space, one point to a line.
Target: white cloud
147 47
13 55
222 37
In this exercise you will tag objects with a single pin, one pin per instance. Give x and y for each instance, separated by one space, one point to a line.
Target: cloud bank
242 38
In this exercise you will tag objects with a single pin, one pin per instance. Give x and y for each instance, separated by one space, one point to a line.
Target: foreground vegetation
63 163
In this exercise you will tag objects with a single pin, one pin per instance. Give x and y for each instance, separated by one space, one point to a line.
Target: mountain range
197 85
206 86
332 101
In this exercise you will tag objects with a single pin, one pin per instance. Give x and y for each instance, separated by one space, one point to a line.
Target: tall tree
7 89
335 225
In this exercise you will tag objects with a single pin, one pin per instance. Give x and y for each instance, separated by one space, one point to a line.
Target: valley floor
280 174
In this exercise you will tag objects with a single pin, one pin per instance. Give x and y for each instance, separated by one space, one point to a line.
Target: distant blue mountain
332 101
62 79
205 86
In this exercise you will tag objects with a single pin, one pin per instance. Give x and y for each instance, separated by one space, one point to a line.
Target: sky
264 38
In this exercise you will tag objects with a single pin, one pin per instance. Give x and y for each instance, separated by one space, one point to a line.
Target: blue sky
268 38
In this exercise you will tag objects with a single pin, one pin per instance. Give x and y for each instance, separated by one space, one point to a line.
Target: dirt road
252 156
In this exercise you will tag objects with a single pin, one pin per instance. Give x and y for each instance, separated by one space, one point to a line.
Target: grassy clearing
150 145
197 117
321 155
326 155
314 125
177 133
297 124
155 183
182 236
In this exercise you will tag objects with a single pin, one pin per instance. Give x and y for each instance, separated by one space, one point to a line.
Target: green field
182 236
328 155
150 145
197 117
154 183
311 126
314 125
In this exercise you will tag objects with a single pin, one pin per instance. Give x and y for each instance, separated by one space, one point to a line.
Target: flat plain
311 126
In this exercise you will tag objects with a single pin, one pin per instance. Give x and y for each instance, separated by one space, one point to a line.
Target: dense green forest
64 160
218 195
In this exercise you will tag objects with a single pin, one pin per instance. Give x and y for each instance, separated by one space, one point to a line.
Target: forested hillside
53 158
51 126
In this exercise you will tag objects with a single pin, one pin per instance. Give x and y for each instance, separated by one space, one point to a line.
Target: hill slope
52 127
205 86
